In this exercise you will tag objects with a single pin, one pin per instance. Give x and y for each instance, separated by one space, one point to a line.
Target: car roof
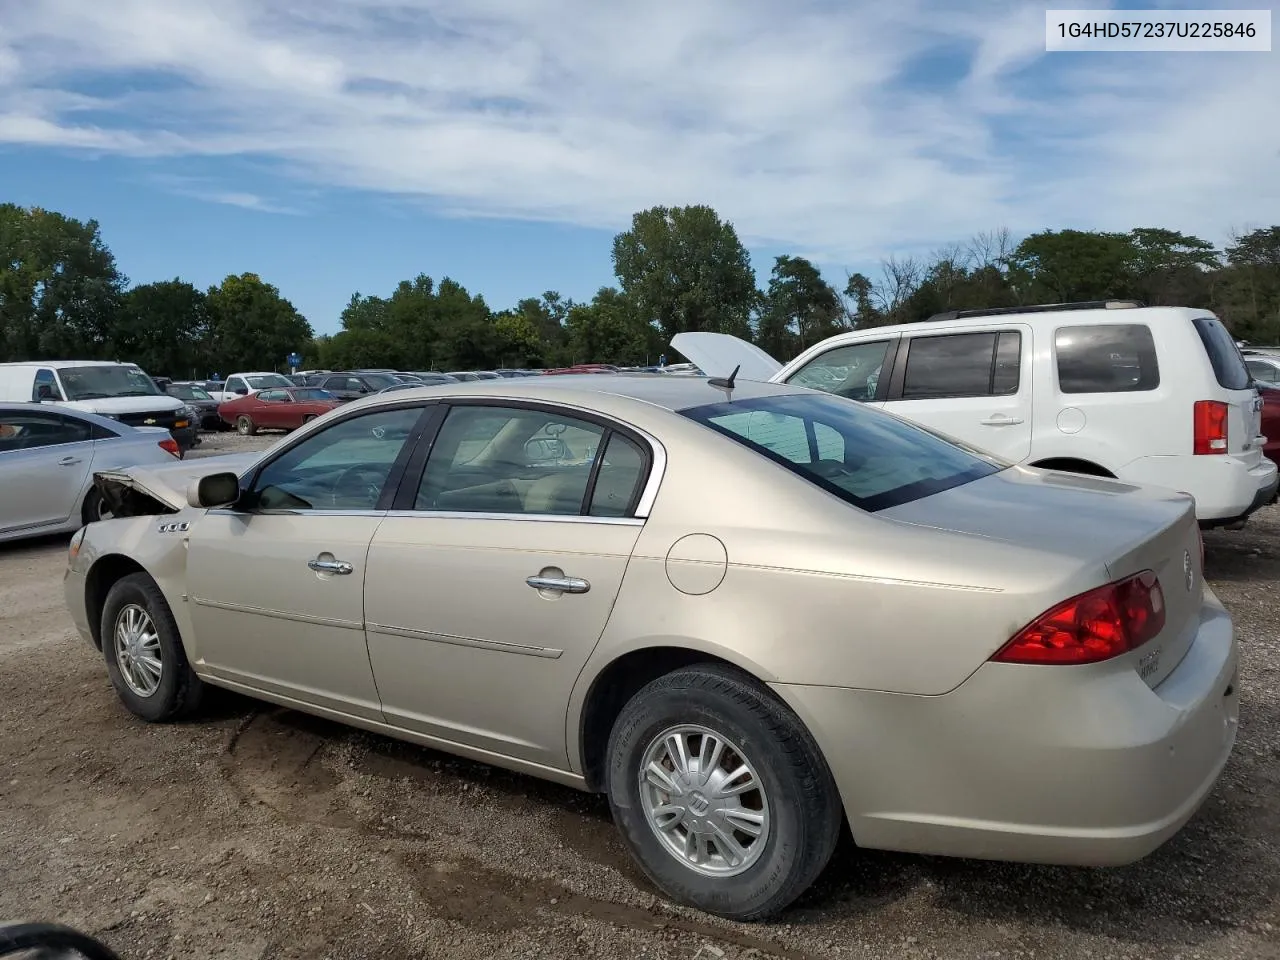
1031 317
672 393
17 406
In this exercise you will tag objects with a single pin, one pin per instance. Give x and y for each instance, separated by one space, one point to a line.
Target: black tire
94 507
179 691
245 426
805 815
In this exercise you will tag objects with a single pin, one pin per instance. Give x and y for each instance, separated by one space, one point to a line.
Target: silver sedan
48 455
753 615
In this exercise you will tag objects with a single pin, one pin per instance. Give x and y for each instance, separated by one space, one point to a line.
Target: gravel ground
258 832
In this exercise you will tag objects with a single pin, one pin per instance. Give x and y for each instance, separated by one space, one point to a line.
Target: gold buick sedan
753 615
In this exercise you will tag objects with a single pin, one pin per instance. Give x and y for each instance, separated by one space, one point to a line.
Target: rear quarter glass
1224 356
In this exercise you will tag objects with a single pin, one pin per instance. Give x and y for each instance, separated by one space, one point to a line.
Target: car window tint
46 379
28 431
953 365
622 470
1261 371
1224 356
1008 371
490 459
867 458
1107 358
342 467
852 371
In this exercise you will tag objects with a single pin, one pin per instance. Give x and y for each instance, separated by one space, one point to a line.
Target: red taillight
170 445
1210 427
1094 626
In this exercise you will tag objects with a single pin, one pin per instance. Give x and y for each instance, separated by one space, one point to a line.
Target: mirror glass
217 490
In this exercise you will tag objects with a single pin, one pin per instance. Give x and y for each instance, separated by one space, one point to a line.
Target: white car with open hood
1150 395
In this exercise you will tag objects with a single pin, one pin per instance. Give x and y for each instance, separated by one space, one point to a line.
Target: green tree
609 329
799 309
60 289
1246 291
252 327
161 327
1074 265
684 268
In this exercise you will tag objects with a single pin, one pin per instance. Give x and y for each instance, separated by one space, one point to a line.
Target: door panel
932 380
44 464
263 617
464 648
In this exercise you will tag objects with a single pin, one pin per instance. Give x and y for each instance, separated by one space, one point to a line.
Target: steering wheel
356 481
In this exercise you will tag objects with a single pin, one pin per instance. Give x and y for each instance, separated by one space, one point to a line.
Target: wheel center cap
698 804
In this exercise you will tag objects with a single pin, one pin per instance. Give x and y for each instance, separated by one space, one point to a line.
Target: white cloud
814 125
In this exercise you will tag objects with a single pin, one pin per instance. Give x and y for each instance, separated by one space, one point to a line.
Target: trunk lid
1091 519
716 354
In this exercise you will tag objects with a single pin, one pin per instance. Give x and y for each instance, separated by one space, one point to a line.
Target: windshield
311 393
267 381
187 391
867 458
96 383
378 381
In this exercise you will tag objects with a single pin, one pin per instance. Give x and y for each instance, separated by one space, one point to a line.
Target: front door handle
1001 421
340 567
560 584
68 461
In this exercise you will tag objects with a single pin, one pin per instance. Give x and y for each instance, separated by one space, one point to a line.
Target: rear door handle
561 584
68 461
340 567
1001 421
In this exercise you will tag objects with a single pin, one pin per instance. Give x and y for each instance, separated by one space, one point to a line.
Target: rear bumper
1226 488
1031 763
1265 495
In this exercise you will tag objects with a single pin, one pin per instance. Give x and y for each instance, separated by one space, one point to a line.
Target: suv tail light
1092 627
1210 427
170 445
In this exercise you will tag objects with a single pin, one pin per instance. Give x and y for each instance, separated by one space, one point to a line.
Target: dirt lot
261 833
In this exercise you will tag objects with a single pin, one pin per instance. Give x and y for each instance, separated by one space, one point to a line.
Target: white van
1150 395
121 391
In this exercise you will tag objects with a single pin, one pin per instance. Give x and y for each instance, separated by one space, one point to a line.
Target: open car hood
143 490
716 354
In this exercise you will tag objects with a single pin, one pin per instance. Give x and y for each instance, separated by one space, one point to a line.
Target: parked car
245 384
748 613
121 391
1270 393
434 377
1151 395
197 398
48 455
281 408
345 386
1264 364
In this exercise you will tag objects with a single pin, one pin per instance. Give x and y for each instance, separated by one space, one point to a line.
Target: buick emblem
1188 572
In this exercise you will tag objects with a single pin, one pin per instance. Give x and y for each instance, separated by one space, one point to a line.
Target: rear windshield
867 458
268 380
1224 355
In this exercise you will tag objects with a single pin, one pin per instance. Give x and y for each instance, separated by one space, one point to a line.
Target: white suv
1150 395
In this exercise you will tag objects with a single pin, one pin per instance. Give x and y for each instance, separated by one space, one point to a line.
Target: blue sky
343 145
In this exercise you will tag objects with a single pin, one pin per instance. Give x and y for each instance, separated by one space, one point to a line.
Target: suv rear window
1224 355
864 457
1106 358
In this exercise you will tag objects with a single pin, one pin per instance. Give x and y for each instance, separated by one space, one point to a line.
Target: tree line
677 268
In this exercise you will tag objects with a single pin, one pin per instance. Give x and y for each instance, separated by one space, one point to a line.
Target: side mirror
215 490
45 392
241 391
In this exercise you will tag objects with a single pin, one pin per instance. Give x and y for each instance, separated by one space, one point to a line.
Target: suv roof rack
1040 308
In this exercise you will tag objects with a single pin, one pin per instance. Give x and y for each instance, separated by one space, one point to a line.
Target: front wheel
721 793
245 427
143 650
94 508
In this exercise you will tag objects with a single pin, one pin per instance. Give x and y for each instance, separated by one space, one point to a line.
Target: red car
1270 394
282 408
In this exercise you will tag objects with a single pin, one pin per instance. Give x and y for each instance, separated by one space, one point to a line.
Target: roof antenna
726 382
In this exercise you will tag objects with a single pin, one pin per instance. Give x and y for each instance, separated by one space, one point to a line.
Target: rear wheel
720 793
143 650
95 508
245 426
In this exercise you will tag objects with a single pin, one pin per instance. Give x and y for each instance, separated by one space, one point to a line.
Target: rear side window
864 457
962 365
1106 358
1224 355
